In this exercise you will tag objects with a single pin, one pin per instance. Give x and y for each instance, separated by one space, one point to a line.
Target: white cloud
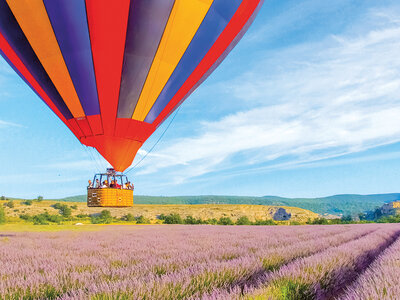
335 97
4 124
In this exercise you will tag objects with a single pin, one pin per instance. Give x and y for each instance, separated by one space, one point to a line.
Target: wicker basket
109 197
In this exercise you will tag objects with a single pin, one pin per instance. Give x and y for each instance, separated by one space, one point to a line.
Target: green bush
39 199
10 204
40 220
27 202
171 219
2 215
82 216
244 220
142 220
26 217
57 206
318 221
225 221
264 222
74 206
64 209
129 218
191 220
212 221
104 217
3 198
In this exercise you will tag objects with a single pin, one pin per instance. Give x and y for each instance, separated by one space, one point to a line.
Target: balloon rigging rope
159 139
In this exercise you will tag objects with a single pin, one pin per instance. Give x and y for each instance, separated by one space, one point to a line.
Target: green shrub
82 216
74 206
3 198
10 204
318 221
129 218
57 206
142 220
40 220
26 217
27 202
211 221
225 221
264 222
2 215
64 209
191 220
243 220
104 217
172 219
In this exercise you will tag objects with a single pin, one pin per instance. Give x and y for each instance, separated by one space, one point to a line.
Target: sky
306 105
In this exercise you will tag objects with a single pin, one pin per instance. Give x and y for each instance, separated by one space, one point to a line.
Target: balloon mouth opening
119 152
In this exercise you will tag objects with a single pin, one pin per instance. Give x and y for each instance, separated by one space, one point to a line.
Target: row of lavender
381 280
327 274
180 262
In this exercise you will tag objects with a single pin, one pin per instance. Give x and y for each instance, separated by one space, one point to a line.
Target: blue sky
306 105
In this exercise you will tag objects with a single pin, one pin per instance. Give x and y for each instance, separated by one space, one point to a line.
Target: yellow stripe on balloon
185 19
34 22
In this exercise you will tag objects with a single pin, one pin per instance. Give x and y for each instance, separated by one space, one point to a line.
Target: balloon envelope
113 71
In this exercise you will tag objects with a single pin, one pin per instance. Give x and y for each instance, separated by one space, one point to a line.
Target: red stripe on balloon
108 22
238 21
19 65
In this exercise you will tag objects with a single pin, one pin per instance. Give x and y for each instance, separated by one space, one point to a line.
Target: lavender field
203 262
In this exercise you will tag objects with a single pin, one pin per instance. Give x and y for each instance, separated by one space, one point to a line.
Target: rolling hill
337 204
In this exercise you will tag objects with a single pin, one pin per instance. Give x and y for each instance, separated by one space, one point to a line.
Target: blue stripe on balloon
224 54
15 37
147 21
219 15
70 26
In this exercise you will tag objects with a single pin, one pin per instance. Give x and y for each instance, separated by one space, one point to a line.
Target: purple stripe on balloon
69 22
147 21
219 15
15 37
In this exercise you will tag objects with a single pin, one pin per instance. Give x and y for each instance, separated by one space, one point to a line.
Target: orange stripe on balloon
34 22
20 67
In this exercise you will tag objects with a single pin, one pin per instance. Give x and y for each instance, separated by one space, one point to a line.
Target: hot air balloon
114 70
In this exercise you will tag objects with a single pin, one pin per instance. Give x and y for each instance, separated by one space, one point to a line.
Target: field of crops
203 262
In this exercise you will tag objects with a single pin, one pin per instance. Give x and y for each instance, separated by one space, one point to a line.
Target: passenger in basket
112 185
116 185
97 184
127 185
90 184
105 184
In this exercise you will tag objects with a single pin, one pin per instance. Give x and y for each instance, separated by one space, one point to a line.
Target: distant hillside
338 204
152 211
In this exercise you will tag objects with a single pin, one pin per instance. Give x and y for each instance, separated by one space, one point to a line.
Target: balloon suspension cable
159 139
96 166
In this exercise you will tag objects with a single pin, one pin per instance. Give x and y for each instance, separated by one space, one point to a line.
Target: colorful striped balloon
113 71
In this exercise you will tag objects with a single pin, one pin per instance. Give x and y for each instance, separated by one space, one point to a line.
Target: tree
39 198
2 215
3 198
